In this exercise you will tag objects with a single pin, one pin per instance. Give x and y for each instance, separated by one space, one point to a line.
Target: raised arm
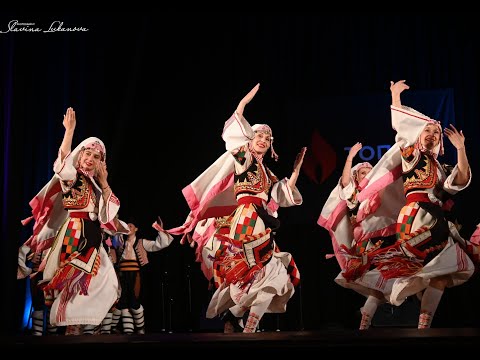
396 89
162 240
246 99
69 123
458 140
296 168
347 168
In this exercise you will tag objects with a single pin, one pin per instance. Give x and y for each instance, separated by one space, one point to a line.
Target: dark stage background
157 88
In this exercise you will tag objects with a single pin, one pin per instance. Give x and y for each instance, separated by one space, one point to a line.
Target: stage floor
282 342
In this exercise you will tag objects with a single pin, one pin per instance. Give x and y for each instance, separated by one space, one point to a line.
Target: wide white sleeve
408 123
65 170
347 192
284 196
448 185
162 241
108 210
237 132
329 210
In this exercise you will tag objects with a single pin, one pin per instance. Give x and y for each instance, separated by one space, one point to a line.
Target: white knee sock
368 310
430 300
254 317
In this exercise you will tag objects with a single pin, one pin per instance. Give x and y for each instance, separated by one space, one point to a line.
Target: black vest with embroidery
79 195
255 180
423 175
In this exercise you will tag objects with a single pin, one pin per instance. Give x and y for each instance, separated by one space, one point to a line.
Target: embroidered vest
255 180
78 197
422 175
139 250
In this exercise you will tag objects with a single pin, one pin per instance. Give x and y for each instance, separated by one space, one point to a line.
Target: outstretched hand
158 224
354 150
69 120
398 87
456 137
246 99
297 165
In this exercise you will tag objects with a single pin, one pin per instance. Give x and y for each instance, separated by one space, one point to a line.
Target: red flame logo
321 159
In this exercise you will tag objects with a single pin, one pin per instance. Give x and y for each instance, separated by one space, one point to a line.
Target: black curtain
157 88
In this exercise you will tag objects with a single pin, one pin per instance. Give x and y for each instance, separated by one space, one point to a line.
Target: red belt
79 214
420 197
250 200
